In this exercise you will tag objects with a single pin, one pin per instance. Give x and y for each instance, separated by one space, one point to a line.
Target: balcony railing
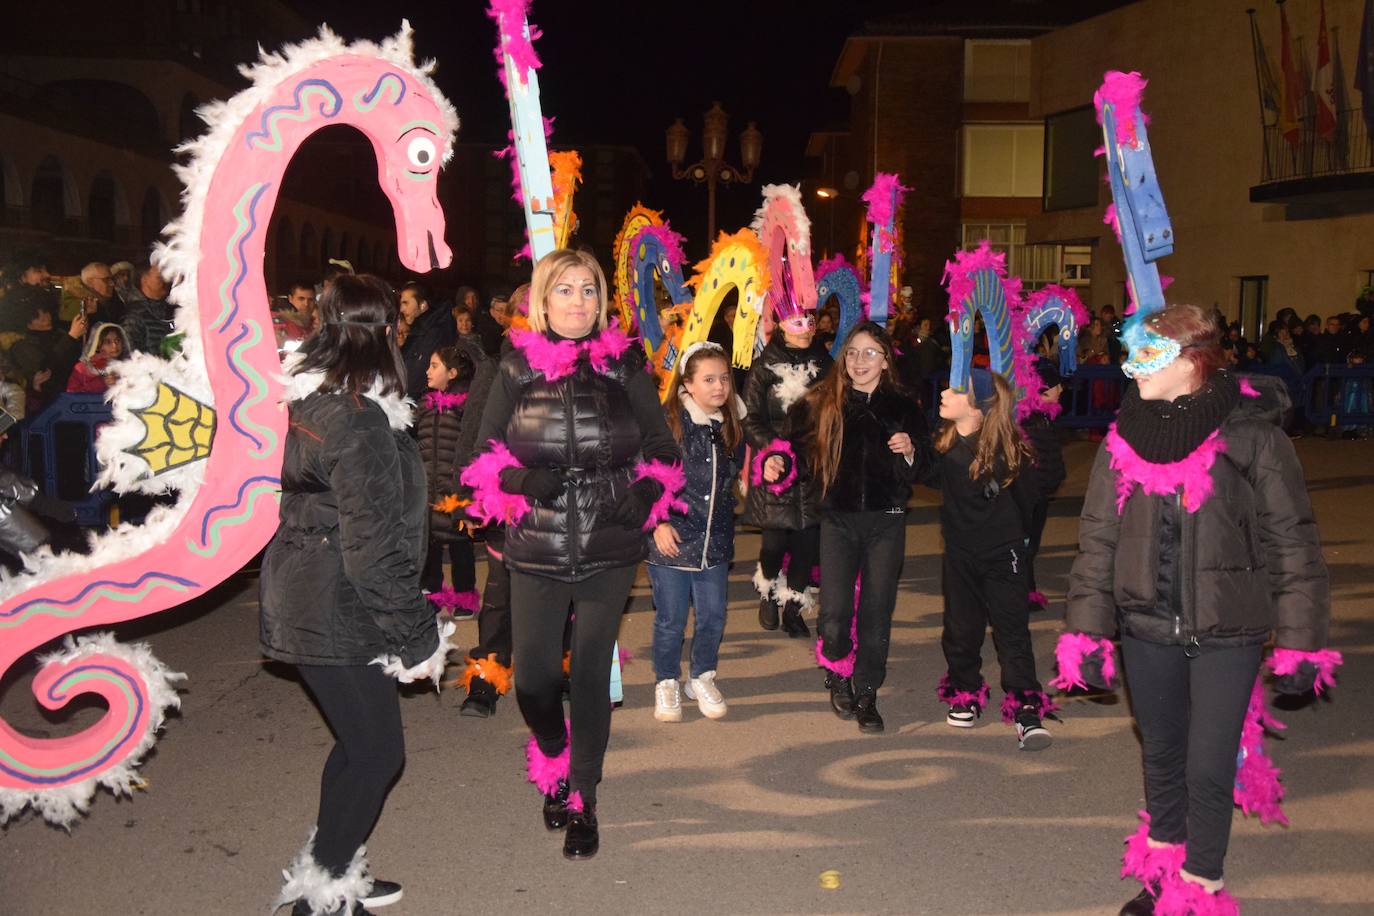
1312 156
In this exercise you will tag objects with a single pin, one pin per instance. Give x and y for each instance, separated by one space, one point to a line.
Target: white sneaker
704 690
667 703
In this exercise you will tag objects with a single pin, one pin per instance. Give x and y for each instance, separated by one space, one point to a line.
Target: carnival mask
1150 352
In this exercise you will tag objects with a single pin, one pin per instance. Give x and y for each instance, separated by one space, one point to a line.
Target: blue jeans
675 590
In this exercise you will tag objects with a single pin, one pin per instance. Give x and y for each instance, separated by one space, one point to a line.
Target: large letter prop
1050 306
836 277
648 255
207 424
978 284
784 230
884 200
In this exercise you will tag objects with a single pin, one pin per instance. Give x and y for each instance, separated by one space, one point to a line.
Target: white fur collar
701 417
793 381
399 409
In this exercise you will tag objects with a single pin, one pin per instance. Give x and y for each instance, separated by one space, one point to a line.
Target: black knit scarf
1163 432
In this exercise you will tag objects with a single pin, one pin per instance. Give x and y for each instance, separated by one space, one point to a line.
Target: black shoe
768 614
556 807
841 695
582 839
866 711
792 623
383 893
1031 733
1142 904
301 908
481 700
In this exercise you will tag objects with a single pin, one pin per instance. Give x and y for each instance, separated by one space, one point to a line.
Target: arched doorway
53 203
106 208
308 252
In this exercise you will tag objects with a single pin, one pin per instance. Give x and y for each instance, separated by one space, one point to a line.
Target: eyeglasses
866 355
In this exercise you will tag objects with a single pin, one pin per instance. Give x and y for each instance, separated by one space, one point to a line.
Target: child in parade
782 498
985 518
437 426
1047 472
867 441
1198 544
689 558
91 374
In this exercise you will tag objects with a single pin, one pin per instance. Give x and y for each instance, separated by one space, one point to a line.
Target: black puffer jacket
1047 473
593 427
1246 563
706 531
433 329
438 428
780 375
341 579
978 515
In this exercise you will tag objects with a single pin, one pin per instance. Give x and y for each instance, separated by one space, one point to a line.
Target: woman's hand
901 444
666 539
773 468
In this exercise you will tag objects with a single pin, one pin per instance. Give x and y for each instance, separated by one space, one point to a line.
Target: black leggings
493 623
539 611
871 544
461 565
1190 712
802 547
1040 514
360 706
987 587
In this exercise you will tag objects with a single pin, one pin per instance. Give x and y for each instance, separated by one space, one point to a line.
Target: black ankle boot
841 695
866 711
768 614
556 807
481 700
1142 904
792 622
582 839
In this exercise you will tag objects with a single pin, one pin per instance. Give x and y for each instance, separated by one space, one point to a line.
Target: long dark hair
730 430
354 346
826 401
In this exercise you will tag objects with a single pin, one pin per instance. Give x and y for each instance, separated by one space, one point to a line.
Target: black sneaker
963 715
301 908
1142 904
383 893
1031 735
480 701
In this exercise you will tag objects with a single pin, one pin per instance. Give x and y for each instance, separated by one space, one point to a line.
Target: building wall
1206 139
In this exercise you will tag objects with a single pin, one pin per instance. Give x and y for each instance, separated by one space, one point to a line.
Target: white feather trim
307 880
399 409
431 668
62 805
805 600
793 381
790 197
763 586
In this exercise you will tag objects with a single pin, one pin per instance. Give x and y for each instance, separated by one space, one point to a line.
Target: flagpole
1259 87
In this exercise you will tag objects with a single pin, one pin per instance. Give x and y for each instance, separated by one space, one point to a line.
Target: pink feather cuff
1257 789
776 447
946 692
489 502
1146 863
844 667
1326 661
1070 651
1015 699
449 598
545 771
672 479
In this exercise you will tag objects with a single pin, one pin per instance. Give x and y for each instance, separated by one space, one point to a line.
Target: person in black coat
783 499
866 441
438 428
1047 470
45 355
340 585
429 329
575 457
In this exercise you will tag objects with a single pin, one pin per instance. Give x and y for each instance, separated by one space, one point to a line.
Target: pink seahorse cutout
227 508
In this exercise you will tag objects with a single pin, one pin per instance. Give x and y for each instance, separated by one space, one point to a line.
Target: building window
1070 166
1254 306
997 71
1003 160
1036 265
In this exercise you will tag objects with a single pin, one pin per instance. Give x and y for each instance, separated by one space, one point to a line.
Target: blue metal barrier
1338 396
1091 397
57 449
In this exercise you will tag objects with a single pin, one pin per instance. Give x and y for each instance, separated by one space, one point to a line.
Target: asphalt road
740 815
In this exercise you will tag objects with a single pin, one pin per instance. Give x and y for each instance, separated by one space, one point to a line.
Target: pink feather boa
575 802
670 240
844 667
1247 389
959 278
1013 701
1257 789
1109 219
884 198
1150 864
483 476
448 598
776 447
1123 91
1193 474
672 478
1038 599
946 692
1178 897
510 16
1286 661
1070 651
544 771
558 358
443 401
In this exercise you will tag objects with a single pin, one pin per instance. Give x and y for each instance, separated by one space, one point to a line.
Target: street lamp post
713 168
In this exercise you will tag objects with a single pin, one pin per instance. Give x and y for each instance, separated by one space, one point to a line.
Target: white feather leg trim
431 668
804 599
324 893
62 805
762 585
793 381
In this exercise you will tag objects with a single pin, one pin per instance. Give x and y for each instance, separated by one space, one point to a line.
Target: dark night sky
620 73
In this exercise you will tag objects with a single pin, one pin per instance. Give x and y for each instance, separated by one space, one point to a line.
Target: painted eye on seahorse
422 153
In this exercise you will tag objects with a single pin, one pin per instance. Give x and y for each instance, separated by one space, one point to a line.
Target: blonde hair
546 274
1001 451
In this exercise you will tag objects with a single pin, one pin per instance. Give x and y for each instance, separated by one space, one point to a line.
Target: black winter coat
437 430
706 531
341 579
978 515
433 329
780 375
593 427
1247 563
1047 473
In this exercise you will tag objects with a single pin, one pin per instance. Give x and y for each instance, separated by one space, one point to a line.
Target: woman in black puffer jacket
1197 542
783 499
438 429
575 456
340 586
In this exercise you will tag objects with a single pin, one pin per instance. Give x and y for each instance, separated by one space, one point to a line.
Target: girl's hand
773 467
666 539
901 444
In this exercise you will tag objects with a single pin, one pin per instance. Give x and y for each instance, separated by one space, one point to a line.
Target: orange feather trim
488 669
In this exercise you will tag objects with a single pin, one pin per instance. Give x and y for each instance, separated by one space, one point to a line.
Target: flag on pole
1290 89
1268 86
1364 65
1325 86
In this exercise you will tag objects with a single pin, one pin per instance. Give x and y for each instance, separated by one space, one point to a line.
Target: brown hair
826 402
1001 447
546 274
1196 331
730 430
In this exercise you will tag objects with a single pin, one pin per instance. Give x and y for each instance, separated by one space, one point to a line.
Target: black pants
1190 712
867 547
539 611
1040 514
461 565
985 587
800 546
493 623
360 706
